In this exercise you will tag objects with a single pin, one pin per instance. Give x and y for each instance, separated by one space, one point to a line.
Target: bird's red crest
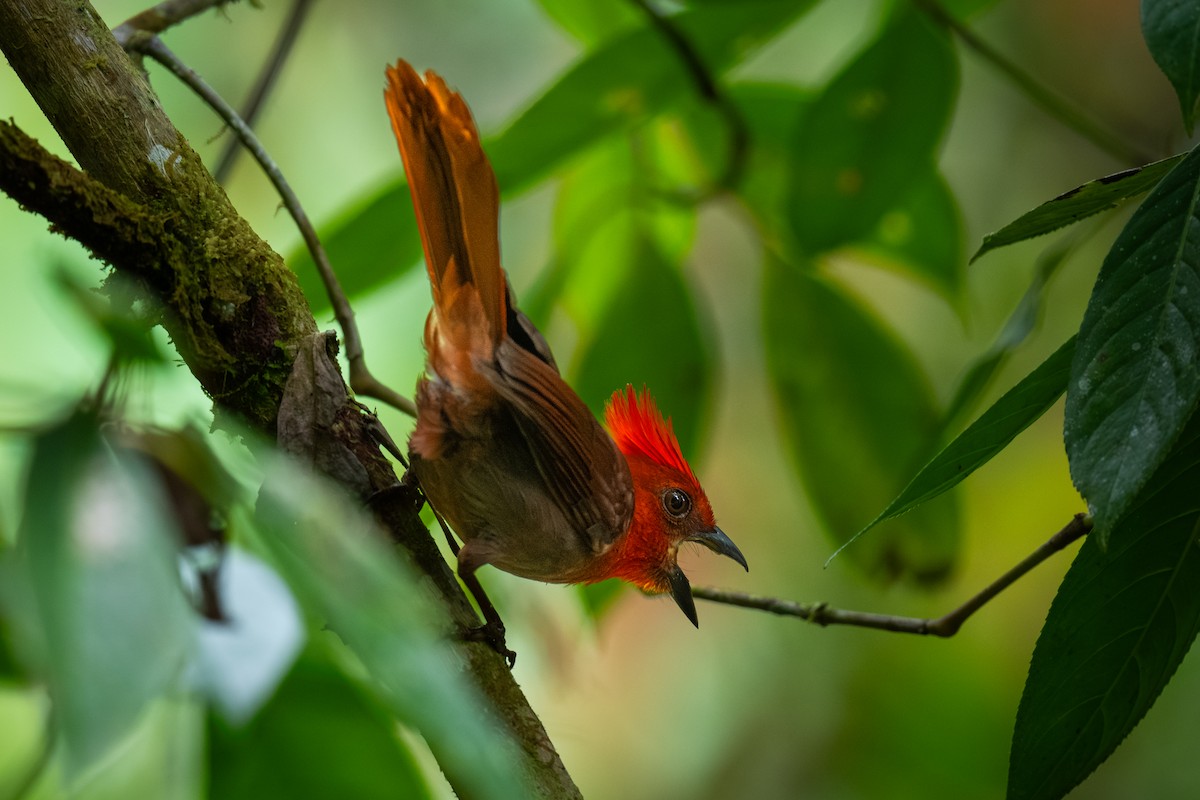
638 428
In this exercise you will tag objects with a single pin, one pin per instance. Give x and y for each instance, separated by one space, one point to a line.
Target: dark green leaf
773 114
1079 203
626 81
368 246
629 79
344 574
858 418
1015 331
871 134
1135 379
320 736
924 232
1172 32
101 564
650 335
1019 408
1122 621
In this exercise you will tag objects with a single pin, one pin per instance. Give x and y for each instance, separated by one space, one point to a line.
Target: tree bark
235 312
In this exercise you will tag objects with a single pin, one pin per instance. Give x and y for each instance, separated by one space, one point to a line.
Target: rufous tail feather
455 198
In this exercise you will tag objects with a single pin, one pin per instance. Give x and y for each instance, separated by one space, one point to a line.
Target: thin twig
945 626
1051 102
157 19
362 382
710 91
266 81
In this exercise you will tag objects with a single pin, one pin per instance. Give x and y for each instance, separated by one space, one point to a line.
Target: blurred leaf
1122 621
1135 379
924 231
871 134
773 113
1079 203
604 207
319 737
1019 408
1172 32
858 418
592 21
368 245
239 661
598 598
128 334
629 79
650 335
102 569
344 574
1016 330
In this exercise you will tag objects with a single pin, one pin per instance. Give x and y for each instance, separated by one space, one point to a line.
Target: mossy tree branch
148 206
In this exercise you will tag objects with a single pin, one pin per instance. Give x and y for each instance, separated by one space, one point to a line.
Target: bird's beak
718 542
681 590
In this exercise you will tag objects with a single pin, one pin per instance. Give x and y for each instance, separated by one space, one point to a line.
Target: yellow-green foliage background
640 705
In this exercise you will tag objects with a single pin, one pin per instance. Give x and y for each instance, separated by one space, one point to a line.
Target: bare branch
944 626
154 21
266 81
361 380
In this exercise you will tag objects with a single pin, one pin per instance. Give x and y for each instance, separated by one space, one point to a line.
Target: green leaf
1172 32
857 417
368 245
1122 621
598 598
592 21
924 232
626 81
871 134
1016 330
650 335
100 552
629 79
345 575
1135 380
1078 204
321 736
1019 408
773 113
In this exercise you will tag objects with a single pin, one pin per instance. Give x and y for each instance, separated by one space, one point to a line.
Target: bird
503 448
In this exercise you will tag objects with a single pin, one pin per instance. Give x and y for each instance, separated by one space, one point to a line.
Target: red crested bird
503 448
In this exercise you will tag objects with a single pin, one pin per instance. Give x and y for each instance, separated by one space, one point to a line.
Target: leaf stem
1042 96
944 626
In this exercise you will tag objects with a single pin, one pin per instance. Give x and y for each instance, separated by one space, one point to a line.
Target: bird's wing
584 473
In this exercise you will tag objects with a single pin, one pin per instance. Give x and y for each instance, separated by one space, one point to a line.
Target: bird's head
670 506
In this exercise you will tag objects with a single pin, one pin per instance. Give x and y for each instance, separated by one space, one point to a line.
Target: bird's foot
406 493
491 633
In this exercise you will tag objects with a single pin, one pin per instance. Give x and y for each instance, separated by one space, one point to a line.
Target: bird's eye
676 502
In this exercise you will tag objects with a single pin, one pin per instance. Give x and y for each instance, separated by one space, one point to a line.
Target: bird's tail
457 206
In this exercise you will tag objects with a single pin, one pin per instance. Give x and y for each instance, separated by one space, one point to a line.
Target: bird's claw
492 633
406 493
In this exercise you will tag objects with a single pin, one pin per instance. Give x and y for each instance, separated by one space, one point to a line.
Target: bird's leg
492 631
